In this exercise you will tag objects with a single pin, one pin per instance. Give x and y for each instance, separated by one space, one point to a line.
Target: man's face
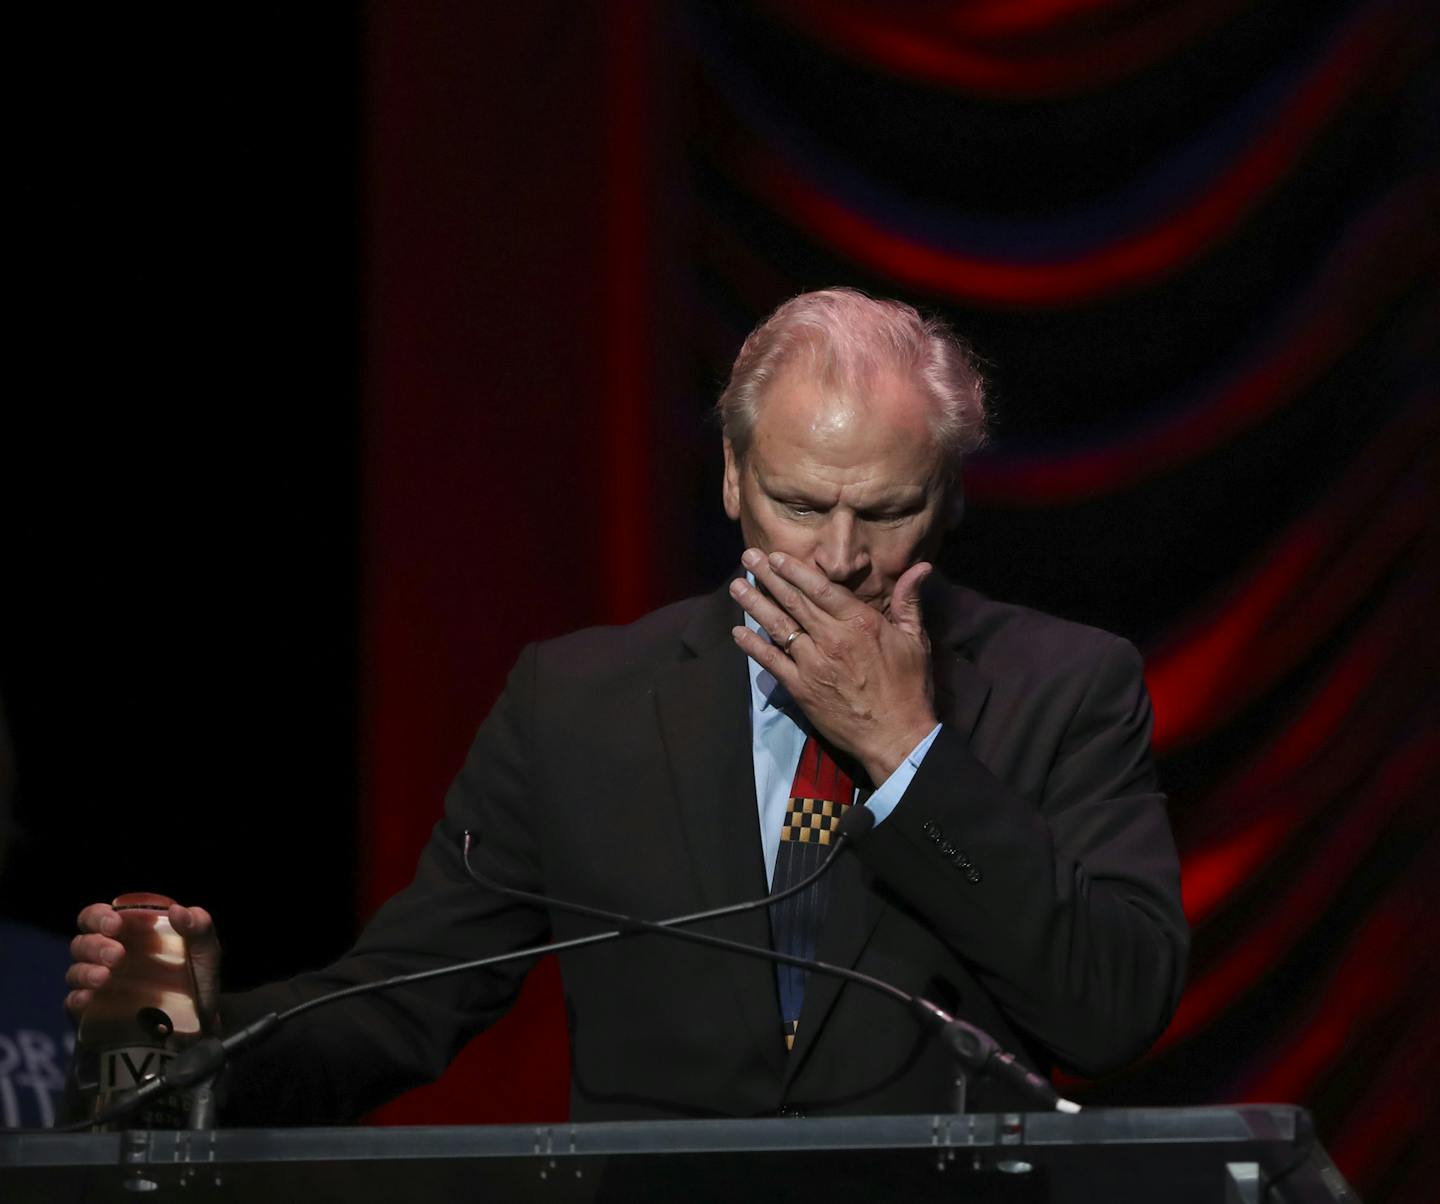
853 486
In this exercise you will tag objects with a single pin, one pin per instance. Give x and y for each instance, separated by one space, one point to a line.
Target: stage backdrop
1195 241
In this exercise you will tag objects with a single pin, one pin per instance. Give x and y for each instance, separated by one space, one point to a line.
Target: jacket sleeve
337 1061
1066 908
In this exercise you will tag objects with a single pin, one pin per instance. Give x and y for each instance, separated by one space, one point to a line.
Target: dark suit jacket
1027 881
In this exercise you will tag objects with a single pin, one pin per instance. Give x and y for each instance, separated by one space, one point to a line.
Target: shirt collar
765 691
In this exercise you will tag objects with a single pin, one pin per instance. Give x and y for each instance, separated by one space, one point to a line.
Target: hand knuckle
866 623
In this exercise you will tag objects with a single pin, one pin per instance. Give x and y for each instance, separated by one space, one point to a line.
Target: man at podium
1021 872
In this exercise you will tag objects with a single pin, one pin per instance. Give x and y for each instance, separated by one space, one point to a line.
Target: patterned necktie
818 797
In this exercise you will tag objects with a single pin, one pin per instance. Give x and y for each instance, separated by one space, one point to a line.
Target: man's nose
840 552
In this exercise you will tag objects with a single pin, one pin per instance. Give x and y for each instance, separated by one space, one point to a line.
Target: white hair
848 337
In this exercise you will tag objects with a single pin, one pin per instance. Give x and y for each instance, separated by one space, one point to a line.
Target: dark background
180 471
357 348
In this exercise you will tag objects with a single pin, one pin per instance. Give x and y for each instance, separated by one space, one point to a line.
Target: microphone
972 1047
206 1057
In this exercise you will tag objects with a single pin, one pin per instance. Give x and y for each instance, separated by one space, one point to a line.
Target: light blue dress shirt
778 731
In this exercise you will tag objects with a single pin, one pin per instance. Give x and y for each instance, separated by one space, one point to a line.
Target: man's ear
730 487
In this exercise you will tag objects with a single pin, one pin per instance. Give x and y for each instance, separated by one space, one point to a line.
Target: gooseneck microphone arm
972 1047
206 1057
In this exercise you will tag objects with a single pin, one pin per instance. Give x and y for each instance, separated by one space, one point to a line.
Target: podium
1221 1155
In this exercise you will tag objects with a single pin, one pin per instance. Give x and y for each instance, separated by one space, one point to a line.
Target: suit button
972 875
949 849
787 1110
931 829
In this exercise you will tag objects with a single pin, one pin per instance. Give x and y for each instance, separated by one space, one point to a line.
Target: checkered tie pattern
819 796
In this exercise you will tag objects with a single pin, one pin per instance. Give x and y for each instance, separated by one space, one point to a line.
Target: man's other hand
95 953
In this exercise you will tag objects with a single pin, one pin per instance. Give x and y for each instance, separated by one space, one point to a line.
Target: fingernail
750 558
777 559
738 587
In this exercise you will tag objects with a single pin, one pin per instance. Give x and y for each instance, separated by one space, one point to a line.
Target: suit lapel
702 705
960 688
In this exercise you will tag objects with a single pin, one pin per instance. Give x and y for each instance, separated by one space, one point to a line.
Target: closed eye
888 517
798 508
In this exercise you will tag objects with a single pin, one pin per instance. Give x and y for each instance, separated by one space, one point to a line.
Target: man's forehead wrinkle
810 482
